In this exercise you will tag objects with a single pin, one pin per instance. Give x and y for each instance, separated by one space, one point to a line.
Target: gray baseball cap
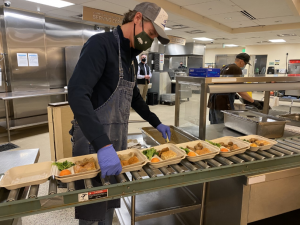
158 17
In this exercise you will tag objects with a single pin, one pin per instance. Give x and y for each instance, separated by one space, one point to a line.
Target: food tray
214 150
243 145
180 156
137 166
250 122
39 173
266 147
77 176
32 174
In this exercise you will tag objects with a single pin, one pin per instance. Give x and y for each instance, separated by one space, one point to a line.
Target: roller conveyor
184 174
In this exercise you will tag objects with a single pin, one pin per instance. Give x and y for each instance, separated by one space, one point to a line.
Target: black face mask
144 60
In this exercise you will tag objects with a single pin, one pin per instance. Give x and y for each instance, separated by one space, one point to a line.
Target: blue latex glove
163 129
109 161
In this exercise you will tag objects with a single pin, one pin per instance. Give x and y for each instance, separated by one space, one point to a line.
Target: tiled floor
38 137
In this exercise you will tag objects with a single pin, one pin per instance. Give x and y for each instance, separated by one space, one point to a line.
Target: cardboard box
60 116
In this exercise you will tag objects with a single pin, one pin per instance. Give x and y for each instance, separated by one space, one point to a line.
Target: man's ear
137 18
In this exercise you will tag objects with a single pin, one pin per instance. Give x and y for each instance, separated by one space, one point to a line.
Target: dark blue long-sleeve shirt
94 80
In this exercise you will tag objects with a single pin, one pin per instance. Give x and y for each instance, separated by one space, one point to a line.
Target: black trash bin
152 98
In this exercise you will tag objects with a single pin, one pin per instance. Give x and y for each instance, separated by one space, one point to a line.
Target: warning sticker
87 196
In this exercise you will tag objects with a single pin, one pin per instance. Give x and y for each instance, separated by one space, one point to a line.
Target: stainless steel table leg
203 203
7 119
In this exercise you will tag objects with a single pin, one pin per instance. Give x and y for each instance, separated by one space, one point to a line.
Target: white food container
180 155
265 147
136 166
243 145
214 150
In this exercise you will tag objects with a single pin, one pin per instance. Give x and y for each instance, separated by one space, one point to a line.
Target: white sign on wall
22 59
33 59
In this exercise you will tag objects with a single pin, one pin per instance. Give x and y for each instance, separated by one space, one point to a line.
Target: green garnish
150 153
186 150
246 140
64 165
213 143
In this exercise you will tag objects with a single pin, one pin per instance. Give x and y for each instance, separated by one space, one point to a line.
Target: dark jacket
143 72
95 78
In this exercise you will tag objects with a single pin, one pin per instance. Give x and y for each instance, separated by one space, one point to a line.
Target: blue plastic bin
204 72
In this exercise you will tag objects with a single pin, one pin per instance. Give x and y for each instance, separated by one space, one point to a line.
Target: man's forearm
246 96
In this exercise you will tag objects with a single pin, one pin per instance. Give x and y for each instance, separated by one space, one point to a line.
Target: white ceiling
225 12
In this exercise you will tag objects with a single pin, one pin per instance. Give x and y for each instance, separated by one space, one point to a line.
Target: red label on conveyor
87 196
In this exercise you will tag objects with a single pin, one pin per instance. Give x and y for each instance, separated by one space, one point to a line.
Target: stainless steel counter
10 159
30 94
26 122
219 130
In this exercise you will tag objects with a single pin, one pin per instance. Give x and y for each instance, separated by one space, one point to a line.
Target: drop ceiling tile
188 2
106 6
74 8
188 23
265 8
174 17
278 20
212 8
228 17
127 3
244 23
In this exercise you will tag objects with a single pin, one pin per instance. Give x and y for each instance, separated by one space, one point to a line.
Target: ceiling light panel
230 45
203 39
168 28
277 40
53 3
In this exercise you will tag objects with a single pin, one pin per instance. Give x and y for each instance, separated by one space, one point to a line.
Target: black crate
152 98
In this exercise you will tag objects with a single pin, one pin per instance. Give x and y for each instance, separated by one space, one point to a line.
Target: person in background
181 66
143 76
101 91
218 102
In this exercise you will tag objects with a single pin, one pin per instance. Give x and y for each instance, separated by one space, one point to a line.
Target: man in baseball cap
242 59
158 18
101 92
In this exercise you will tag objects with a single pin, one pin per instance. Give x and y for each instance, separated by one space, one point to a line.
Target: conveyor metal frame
229 85
52 202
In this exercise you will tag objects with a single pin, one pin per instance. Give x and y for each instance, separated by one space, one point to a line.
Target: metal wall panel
59 34
72 56
25 34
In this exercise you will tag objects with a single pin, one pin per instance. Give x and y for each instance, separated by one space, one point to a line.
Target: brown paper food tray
137 166
73 160
214 150
32 174
44 170
180 156
243 145
262 148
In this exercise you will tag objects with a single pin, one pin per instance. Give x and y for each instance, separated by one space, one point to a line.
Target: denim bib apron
113 116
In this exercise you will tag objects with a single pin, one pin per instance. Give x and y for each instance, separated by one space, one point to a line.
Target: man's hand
109 161
147 76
